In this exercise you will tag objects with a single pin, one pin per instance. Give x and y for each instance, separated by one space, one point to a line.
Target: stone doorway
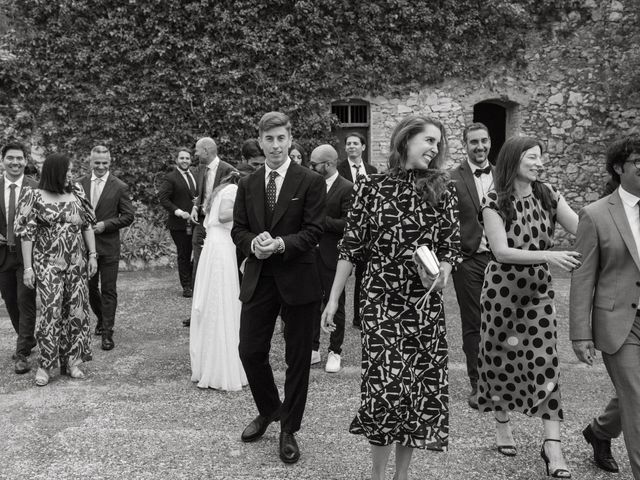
353 116
494 116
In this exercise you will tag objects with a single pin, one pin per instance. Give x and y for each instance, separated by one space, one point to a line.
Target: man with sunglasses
605 302
324 160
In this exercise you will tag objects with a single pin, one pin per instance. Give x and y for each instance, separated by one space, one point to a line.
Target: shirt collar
282 169
628 198
474 167
103 178
331 179
18 182
353 164
214 163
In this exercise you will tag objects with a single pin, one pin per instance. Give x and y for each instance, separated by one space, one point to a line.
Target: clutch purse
424 257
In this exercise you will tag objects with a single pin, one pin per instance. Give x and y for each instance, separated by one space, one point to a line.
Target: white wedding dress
215 310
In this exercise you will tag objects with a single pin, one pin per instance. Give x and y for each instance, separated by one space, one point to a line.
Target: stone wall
561 97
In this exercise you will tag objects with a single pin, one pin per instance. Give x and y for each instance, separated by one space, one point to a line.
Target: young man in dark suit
473 180
176 194
277 222
354 168
19 300
110 199
324 160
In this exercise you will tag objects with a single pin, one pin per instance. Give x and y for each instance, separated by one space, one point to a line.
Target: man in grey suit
605 299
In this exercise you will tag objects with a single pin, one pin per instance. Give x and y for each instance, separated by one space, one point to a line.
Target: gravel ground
138 416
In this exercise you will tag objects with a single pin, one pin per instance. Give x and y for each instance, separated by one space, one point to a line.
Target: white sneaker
333 363
315 357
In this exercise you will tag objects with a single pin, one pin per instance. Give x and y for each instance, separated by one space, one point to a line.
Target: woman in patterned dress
404 389
518 360
58 248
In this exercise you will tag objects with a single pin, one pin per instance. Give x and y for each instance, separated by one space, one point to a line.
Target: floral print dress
404 384
60 267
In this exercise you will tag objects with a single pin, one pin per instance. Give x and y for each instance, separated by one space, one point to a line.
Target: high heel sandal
507 450
42 377
75 372
558 472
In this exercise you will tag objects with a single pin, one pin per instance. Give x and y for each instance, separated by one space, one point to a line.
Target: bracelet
93 254
27 269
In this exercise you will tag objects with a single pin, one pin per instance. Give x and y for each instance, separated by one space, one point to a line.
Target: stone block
567 124
404 109
617 6
615 16
557 99
578 133
444 107
575 98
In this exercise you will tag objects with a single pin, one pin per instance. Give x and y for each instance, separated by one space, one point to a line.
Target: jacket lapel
3 206
291 182
467 177
620 219
85 183
255 197
105 190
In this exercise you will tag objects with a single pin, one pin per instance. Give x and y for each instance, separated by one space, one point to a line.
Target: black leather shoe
21 366
186 323
107 341
256 428
601 451
289 451
187 293
472 399
98 330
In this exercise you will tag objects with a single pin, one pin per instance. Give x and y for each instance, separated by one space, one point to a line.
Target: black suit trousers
337 336
467 280
20 302
197 240
104 298
257 322
184 247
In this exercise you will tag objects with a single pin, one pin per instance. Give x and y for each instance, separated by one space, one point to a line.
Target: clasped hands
264 245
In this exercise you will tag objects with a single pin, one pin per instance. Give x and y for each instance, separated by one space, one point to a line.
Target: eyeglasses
635 161
315 164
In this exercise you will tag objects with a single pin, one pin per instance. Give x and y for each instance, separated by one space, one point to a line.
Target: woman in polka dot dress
518 360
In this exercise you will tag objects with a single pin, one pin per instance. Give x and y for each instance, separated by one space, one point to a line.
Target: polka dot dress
518 360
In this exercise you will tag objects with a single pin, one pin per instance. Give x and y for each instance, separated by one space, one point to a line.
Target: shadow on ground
138 416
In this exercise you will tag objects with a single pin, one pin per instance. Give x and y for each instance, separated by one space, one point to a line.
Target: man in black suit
277 222
473 180
354 168
110 199
19 300
324 160
176 194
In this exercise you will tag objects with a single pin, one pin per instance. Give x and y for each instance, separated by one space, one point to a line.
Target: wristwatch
280 249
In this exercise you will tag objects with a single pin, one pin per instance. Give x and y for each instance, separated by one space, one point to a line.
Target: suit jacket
344 169
297 218
223 170
606 287
470 229
338 203
5 261
174 194
115 209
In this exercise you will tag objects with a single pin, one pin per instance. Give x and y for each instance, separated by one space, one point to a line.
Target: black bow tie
482 171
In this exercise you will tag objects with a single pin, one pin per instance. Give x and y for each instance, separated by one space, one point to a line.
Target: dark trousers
360 268
337 336
104 299
257 321
467 280
20 302
621 414
184 248
197 239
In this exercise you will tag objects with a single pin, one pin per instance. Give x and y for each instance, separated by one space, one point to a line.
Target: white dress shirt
361 169
212 169
178 212
632 210
331 180
484 184
7 192
97 187
282 171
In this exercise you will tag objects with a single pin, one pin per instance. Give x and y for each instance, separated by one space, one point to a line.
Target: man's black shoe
98 330
601 451
256 428
186 323
22 365
289 451
187 293
107 341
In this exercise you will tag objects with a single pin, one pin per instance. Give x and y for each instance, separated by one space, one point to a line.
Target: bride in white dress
215 310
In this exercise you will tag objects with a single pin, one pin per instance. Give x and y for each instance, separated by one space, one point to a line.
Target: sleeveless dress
404 385
518 359
215 309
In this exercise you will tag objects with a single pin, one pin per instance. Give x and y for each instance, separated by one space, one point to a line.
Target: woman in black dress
404 389
518 359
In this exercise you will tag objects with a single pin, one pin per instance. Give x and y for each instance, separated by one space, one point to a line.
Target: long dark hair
506 171
232 178
54 174
432 182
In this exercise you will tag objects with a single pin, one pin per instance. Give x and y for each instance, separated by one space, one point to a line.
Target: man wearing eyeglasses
324 160
604 309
